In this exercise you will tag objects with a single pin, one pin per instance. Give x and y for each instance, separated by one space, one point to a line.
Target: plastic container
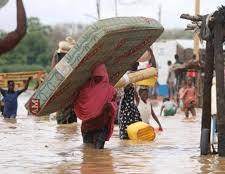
141 131
147 82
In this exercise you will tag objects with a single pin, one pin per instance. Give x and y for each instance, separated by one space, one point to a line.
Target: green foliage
33 50
21 68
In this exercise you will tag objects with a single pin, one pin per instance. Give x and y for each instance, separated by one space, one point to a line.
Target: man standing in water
10 98
178 72
67 115
171 80
13 38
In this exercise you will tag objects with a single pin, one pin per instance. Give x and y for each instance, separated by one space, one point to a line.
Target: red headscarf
93 97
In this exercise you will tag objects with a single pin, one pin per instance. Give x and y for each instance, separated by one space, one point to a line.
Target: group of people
175 75
135 106
182 87
96 105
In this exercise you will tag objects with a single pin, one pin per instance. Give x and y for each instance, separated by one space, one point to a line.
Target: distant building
165 51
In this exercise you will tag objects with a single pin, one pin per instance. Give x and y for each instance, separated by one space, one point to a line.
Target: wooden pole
206 109
196 38
219 66
98 9
196 49
160 13
116 8
191 18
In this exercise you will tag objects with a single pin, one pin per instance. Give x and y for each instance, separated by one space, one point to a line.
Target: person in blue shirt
10 98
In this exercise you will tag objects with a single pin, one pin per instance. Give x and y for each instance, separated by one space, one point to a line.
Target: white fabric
142 65
172 77
126 78
213 98
145 111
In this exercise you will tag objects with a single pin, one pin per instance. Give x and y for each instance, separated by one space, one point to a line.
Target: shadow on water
82 158
91 162
211 164
11 122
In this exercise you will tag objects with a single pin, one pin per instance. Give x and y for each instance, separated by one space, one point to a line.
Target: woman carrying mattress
96 107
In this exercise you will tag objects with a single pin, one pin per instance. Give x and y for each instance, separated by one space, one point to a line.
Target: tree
34 49
37 47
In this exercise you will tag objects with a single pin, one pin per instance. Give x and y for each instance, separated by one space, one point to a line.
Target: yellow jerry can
147 82
141 131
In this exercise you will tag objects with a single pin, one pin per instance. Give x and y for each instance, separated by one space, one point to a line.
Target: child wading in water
145 108
169 107
181 91
189 98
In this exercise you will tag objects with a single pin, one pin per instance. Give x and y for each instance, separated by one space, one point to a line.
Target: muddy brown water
39 145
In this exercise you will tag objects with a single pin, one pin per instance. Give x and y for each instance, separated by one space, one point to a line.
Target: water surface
39 145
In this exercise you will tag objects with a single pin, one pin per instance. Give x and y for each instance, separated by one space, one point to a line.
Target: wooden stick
192 18
189 29
194 26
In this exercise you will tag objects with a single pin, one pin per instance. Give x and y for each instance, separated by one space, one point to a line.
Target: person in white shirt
171 80
145 108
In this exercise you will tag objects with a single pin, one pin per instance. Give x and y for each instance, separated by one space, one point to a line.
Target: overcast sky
84 11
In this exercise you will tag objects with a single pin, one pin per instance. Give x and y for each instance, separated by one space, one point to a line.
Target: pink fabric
148 66
192 73
93 97
188 96
91 101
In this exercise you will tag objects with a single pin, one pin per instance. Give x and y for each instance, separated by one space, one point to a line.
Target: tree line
35 51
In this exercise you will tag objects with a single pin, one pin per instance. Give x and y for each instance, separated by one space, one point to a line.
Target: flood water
39 145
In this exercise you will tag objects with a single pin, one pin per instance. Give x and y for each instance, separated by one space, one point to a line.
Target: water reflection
87 161
211 164
10 120
96 161
68 131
